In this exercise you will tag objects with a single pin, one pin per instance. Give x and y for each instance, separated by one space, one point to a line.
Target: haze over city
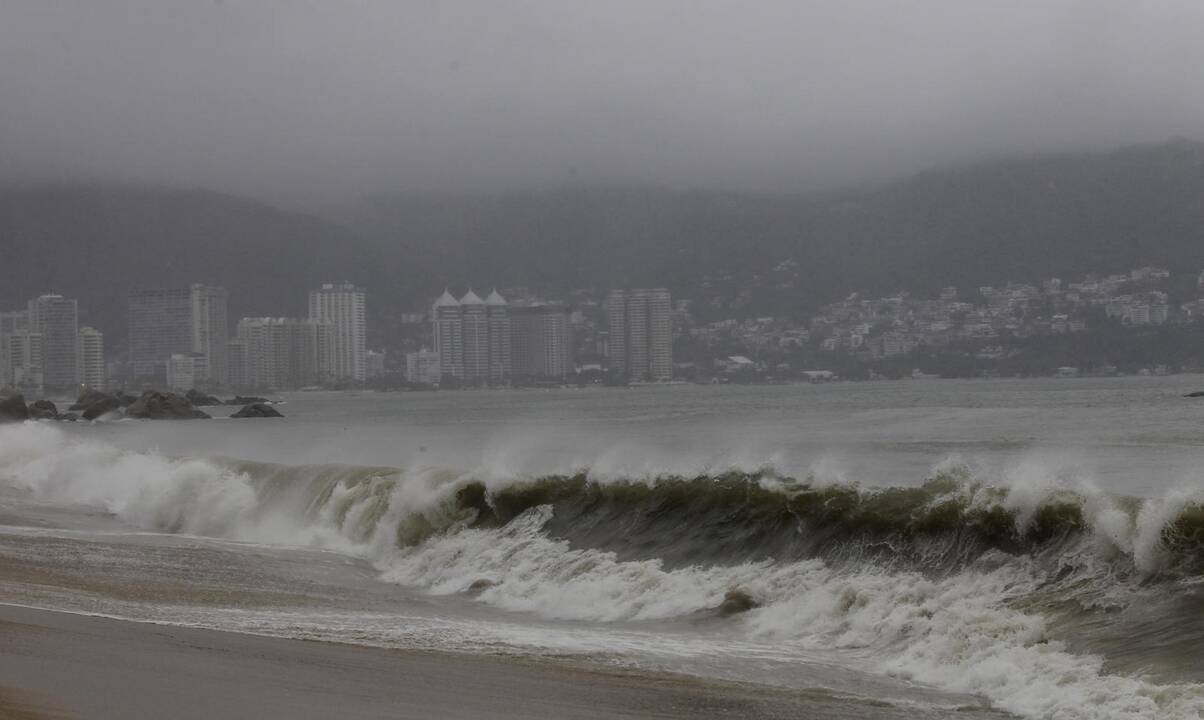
311 104
602 359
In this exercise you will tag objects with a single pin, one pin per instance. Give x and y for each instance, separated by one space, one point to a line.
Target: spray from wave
1051 602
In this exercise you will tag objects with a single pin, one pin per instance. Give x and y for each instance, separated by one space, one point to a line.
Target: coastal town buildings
640 333
343 308
56 319
178 321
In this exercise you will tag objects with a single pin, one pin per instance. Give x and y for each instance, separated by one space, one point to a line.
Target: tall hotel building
91 354
641 333
281 353
541 341
178 321
56 319
342 307
472 337
20 351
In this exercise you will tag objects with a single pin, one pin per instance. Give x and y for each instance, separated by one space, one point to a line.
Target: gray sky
296 99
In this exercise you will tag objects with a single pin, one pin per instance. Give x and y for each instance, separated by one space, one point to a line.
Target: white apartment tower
476 338
91 354
449 335
497 320
56 319
472 337
641 333
342 307
210 329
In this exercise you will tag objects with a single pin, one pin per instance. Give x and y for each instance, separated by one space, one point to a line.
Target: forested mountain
1019 219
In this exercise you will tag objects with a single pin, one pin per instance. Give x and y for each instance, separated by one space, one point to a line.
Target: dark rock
13 409
155 405
480 586
1197 393
257 410
69 417
249 400
88 398
200 399
125 399
103 406
737 601
43 410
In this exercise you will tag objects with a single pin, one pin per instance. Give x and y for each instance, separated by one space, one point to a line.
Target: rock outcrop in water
87 398
43 410
155 405
736 601
13 409
248 400
200 399
257 410
479 586
101 406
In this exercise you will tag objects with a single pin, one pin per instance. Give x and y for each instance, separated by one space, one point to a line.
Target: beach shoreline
57 664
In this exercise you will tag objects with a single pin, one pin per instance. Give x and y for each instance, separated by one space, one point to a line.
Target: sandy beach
61 665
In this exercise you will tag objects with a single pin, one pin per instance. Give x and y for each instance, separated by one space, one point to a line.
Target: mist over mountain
1019 219
96 242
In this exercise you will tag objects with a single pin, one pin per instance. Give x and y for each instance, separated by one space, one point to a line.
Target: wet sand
61 665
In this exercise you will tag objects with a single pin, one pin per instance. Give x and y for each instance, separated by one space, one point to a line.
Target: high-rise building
236 364
342 307
640 338
22 352
476 338
160 325
185 371
424 367
472 337
497 325
541 341
91 355
449 335
284 353
10 322
178 321
210 329
57 320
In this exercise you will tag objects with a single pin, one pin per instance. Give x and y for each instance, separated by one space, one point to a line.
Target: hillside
1020 219
95 242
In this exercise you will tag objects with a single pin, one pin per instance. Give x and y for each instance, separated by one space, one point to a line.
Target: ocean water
1034 548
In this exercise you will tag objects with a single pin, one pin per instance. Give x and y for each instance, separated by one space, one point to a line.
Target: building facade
448 334
211 329
640 337
342 308
186 371
424 367
178 321
472 337
541 341
284 353
56 319
91 355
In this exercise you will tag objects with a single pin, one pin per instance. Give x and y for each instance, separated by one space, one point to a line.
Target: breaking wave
1050 601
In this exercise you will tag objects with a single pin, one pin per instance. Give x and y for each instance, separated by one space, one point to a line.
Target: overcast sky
295 99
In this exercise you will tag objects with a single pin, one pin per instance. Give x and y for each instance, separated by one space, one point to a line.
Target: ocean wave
955 583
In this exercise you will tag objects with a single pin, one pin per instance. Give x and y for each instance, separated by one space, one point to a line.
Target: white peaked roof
495 298
446 300
471 298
